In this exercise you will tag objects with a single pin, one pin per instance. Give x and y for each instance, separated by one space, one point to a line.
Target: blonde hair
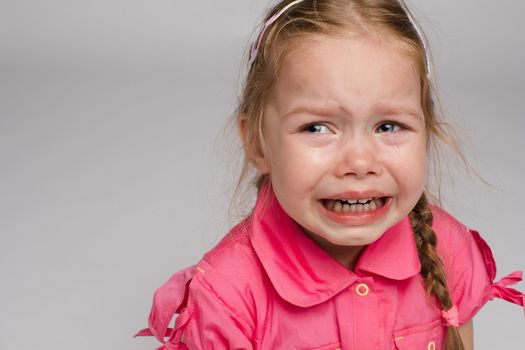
390 19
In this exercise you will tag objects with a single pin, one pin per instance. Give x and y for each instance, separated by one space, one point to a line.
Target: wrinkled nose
358 158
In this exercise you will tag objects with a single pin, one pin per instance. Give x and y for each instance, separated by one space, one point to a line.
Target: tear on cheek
396 148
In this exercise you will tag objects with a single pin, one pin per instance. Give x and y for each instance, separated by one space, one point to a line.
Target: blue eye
388 127
316 128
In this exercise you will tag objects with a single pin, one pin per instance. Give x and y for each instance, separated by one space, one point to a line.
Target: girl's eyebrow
316 110
389 109
382 109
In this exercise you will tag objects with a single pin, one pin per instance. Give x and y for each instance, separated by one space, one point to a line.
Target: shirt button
431 345
362 289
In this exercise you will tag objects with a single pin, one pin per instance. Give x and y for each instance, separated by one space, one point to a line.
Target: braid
432 268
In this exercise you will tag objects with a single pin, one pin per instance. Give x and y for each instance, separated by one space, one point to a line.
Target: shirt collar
304 274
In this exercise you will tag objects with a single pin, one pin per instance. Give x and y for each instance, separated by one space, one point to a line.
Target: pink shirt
267 285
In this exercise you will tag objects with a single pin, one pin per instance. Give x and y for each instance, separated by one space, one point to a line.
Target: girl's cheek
309 149
402 140
394 139
318 141
321 156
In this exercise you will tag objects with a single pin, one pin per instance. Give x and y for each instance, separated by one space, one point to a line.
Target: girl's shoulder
232 263
452 235
460 248
470 266
225 284
232 248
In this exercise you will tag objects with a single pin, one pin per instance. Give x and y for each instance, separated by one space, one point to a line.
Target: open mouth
355 205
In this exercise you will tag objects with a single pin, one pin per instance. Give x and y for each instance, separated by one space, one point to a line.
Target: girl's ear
253 145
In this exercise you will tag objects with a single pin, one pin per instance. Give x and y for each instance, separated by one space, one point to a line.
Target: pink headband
257 43
420 34
255 46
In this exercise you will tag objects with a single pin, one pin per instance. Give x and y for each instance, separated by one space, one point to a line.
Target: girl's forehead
323 65
344 50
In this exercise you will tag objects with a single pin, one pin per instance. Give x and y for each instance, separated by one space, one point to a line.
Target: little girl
342 249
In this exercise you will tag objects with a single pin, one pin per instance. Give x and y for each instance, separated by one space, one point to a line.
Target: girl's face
344 123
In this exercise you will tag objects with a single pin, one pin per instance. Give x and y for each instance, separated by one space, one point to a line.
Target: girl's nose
358 159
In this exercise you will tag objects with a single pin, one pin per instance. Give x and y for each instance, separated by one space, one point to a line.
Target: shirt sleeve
213 323
473 274
471 284
208 313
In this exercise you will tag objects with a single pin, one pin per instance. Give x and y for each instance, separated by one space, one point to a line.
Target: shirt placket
358 316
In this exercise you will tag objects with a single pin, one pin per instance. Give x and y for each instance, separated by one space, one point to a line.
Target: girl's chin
349 238
345 251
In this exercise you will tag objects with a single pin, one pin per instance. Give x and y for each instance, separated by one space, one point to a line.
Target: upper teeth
358 201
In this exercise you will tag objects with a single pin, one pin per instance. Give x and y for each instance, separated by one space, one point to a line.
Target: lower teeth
340 207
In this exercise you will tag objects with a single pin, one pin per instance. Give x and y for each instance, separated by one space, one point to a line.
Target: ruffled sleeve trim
170 299
499 289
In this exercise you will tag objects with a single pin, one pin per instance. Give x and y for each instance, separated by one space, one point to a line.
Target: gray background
115 170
